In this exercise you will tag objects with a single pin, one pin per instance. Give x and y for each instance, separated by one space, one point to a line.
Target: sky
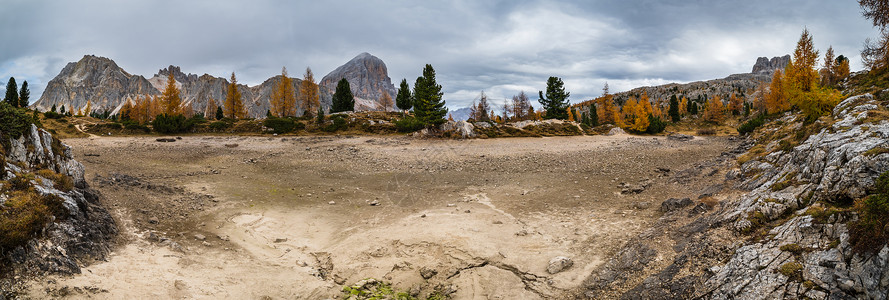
500 47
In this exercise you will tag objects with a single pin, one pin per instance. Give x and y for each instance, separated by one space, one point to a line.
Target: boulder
465 129
616 131
558 264
674 204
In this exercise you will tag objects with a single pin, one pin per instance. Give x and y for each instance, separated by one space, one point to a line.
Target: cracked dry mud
290 217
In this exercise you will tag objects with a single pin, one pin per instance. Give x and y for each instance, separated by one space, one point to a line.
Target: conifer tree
219 113
735 104
12 93
385 102
715 110
308 93
776 100
674 109
126 111
429 107
53 109
828 69
694 108
342 97
556 100
570 113
210 112
24 95
842 65
172 101
403 98
234 107
593 116
283 98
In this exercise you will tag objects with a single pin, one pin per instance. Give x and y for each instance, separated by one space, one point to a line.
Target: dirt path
283 217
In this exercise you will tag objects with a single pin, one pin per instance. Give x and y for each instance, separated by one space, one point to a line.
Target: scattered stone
559 264
200 237
680 137
280 240
642 205
522 233
467 211
231 145
498 222
331 202
374 203
525 192
674 204
165 140
423 216
223 237
153 220
616 131
427 273
451 204
206 244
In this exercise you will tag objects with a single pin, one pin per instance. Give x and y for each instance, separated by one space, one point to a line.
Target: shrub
133 125
706 131
796 249
13 122
868 234
793 270
280 125
751 124
818 102
60 181
655 125
172 124
785 145
409 124
220 125
53 115
339 123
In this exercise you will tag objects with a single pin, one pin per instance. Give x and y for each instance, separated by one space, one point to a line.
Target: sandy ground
291 217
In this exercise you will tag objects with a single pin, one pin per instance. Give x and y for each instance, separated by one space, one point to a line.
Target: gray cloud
501 47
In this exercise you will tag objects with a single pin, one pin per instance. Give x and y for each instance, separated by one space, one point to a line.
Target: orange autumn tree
210 111
715 110
735 104
126 110
234 107
171 99
776 99
283 102
385 102
628 112
309 94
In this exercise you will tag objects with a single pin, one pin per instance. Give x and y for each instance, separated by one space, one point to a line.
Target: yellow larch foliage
608 113
735 104
570 114
308 93
171 99
683 106
234 107
715 110
210 112
283 99
776 99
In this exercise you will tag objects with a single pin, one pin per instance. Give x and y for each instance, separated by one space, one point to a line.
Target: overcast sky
501 47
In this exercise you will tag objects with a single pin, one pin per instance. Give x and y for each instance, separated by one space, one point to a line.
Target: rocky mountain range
107 86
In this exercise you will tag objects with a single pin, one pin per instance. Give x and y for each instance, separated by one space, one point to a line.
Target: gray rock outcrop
368 78
767 66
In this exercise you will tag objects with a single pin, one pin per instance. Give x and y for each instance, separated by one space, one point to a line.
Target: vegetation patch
751 125
869 233
372 289
60 181
706 131
793 248
876 151
793 270
24 215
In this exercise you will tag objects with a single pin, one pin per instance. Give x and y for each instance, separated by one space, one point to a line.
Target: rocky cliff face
78 234
780 236
767 66
368 78
95 79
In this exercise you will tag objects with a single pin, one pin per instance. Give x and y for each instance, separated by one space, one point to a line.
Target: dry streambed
249 217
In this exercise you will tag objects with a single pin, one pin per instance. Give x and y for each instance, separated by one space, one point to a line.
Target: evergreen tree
171 97
429 107
219 113
593 116
53 109
403 98
234 107
693 108
24 95
556 100
12 93
342 97
62 110
674 109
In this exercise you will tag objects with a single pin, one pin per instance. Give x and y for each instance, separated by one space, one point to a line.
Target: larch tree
385 103
714 112
309 94
842 65
520 105
342 97
608 113
479 111
628 112
556 100
876 53
234 106
283 98
570 112
735 104
210 111
802 74
506 110
429 106
126 111
12 93
828 69
403 97
24 95
171 99
640 117
776 99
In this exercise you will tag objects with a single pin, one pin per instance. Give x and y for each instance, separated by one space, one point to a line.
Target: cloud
502 47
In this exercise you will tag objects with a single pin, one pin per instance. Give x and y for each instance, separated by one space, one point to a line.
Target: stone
558 264
642 205
200 237
616 131
374 203
767 66
331 202
465 129
165 140
674 204
679 137
427 273
153 220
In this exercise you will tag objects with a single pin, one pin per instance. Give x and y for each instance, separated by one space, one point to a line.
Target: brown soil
484 216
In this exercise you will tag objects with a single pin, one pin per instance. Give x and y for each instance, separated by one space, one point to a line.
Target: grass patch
706 131
875 151
24 215
869 233
793 248
60 181
792 270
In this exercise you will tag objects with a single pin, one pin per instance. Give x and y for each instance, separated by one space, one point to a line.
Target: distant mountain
368 78
107 86
460 114
743 84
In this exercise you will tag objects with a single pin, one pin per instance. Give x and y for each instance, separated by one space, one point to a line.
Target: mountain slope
368 78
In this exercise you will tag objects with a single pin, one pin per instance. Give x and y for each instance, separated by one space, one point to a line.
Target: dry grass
61 182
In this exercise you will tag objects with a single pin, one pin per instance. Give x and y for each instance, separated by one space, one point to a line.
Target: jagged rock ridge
766 65
368 77
107 86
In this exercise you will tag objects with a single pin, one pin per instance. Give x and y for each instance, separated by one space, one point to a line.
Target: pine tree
429 107
308 93
593 116
172 101
53 109
62 110
283 98
694 108
556 100
219 113
403 98
234 107
24 95
12 93
674 109
342 97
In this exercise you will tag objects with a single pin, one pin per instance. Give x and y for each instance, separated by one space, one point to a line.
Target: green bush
409 124
655 125
14 121
339 123
133 125
751 124
280 125
53 115
173 124
869 233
